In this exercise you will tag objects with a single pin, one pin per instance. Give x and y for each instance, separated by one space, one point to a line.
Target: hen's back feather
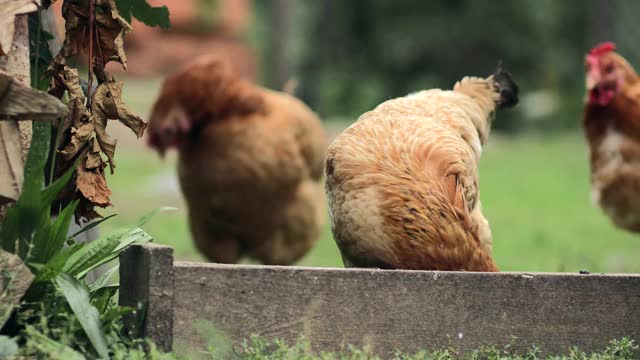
402 181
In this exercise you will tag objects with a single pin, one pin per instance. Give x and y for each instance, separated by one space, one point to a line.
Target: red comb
602 49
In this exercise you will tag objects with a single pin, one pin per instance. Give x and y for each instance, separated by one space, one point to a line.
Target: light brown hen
612 127
402 182
249 164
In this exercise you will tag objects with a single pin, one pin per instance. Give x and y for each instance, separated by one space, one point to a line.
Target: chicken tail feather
507 87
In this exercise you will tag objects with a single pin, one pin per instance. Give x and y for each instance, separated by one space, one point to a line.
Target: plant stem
55 150
90 66
37 62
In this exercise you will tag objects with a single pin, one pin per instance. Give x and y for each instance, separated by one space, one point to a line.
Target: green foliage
353 55
147 14
61 317
78 298
259 349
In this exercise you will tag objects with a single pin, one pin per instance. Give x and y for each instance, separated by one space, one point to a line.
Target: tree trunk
16 64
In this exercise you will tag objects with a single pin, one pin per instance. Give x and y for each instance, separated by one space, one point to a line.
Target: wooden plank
15 279
146 278
406 310
20 102
11 164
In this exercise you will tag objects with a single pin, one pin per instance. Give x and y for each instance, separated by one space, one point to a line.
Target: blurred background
348 56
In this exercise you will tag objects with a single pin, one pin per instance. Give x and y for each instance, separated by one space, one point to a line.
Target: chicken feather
612 128
402 181
249 163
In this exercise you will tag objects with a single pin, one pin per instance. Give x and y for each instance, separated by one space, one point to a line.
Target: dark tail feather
508 88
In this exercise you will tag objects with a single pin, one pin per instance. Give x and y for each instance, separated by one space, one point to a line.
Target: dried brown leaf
86 210
108 34
8 11
65 78
93 185
107 105
94 159
79 138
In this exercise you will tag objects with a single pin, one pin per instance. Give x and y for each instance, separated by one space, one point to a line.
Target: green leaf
34 165
77 296
51 192
26 216
39 54
54 267
101 297
8 346
93 224
50 239
108 247
49 347
145 13
103 279
103 250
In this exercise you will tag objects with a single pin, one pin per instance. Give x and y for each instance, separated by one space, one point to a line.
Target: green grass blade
93 224
77 296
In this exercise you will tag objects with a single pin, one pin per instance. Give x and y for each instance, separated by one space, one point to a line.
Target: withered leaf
94 159
65 78
93 186
86 210
79 138
109 29
107 105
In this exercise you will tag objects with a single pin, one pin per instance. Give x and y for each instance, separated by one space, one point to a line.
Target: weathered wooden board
406 310
146 278
20 102
15 279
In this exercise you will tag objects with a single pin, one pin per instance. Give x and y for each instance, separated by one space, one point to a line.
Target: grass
257 348
535 193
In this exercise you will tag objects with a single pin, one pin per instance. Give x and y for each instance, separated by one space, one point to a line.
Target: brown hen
612 127
402 182
249 163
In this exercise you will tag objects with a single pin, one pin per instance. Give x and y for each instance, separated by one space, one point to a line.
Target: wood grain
146 281
20 102
406 310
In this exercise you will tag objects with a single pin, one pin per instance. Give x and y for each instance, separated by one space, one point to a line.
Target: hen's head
168 129
606 72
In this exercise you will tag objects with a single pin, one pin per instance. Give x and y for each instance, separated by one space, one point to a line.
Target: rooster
249 163
612 128
402 181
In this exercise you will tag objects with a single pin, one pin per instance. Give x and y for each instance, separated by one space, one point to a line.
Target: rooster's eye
608 69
